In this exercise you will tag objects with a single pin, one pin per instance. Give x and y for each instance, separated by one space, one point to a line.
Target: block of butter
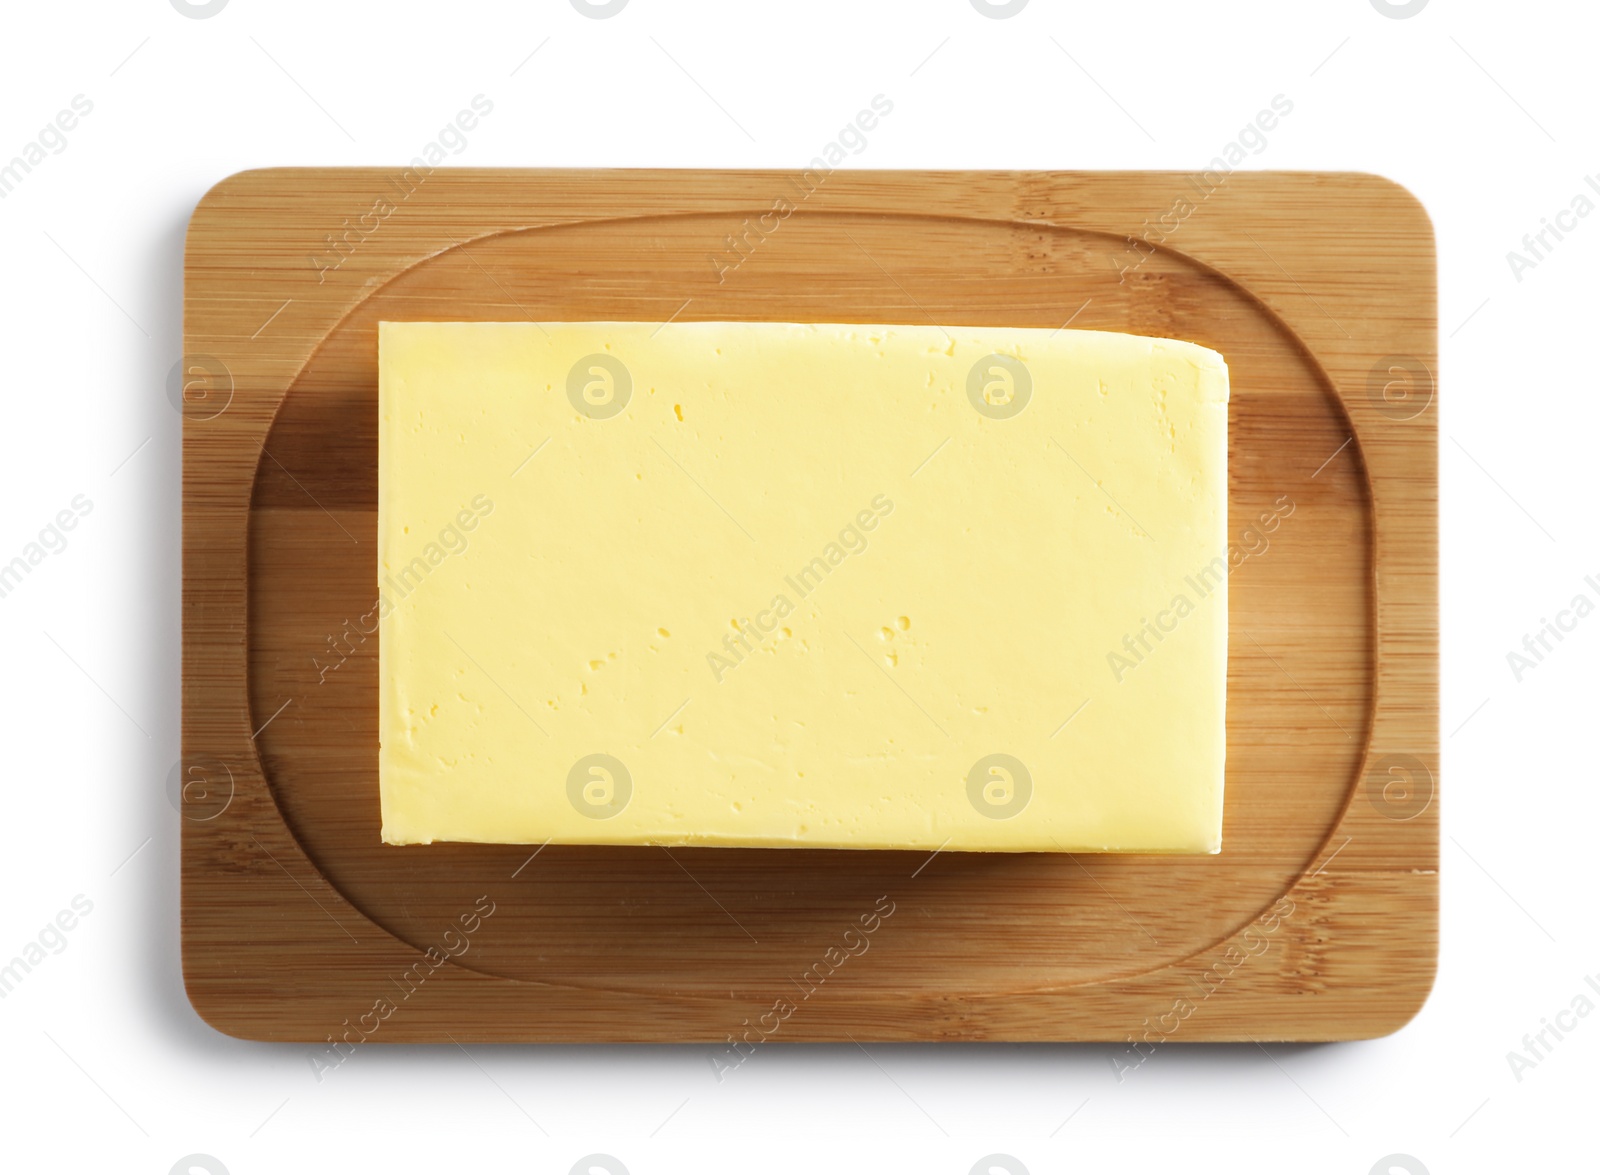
768 584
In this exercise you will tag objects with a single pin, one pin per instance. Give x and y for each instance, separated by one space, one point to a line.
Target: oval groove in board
713 921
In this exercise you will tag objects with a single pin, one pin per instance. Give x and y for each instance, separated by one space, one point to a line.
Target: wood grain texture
1318 920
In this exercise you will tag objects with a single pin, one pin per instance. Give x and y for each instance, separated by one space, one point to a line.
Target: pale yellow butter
801 585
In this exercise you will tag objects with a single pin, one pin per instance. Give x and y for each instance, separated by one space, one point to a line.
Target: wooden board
1318 920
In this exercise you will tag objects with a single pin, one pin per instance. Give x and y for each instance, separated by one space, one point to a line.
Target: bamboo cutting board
1317 921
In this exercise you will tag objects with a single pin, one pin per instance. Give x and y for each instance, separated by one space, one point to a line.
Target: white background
1486 111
